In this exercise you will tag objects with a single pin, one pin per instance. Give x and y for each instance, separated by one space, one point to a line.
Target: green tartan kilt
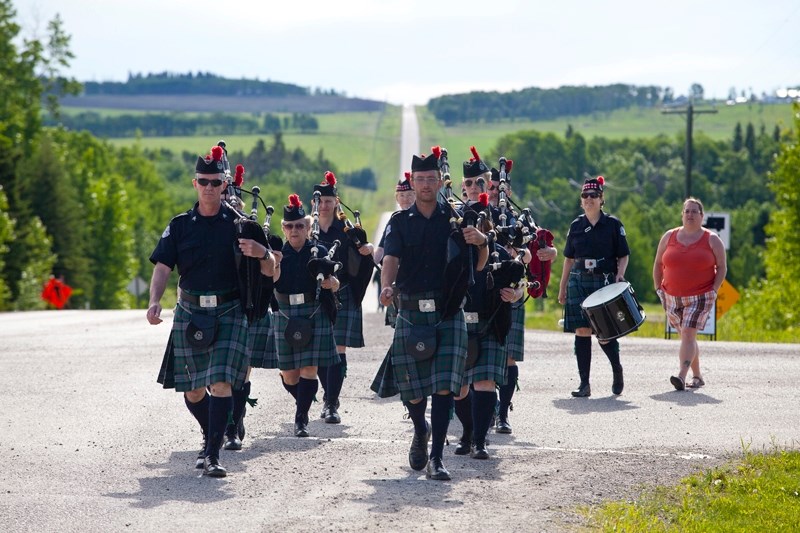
579 287
384 384
226 360
515 342
443 371
321 351
349 327
491 365
261 343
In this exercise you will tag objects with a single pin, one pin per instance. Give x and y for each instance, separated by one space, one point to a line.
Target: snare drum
613 311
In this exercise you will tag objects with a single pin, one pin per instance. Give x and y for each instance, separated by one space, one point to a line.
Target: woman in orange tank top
689 269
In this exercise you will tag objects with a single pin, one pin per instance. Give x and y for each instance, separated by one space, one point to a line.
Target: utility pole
689 112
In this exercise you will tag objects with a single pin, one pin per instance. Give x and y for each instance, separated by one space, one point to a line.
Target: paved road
92 443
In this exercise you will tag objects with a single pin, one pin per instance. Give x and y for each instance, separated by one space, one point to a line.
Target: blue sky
408 51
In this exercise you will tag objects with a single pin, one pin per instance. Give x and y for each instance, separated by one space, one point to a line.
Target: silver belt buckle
471 318
297 299
590 264
427 306
208 301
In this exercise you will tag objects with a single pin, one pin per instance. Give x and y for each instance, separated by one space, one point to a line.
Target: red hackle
330 178
216 153
601 180
238 178
407 175
294 201
436 151
475 153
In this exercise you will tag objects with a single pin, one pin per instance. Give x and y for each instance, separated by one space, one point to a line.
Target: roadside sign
720 223
726 297
137 286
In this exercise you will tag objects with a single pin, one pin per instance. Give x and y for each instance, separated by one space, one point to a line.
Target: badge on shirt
388 229
166 233
622 230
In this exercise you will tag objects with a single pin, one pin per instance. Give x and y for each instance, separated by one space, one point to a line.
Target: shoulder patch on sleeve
622 230
166 232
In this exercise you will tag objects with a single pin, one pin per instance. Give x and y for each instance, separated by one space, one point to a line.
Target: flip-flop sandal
696 383
677 382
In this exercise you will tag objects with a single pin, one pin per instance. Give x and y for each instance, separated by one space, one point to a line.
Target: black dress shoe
618 384
301 426
325 410
232 442
503 426
213 468
436 470
333 415
480 451
418 453
464 446
584 391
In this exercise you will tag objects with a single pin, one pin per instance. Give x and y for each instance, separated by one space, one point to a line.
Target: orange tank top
688 270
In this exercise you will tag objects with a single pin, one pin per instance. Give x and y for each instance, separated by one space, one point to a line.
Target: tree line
540 104
182 124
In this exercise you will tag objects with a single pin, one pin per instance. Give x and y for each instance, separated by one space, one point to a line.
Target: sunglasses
590 195
204 182
469 183
297 225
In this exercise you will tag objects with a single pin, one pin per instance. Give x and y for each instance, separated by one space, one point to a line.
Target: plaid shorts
688 311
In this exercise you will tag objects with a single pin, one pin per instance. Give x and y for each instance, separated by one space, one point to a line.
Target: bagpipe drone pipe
320 267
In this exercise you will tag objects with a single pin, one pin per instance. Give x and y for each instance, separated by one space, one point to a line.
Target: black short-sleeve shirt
295 277
202 248
605 241
421 245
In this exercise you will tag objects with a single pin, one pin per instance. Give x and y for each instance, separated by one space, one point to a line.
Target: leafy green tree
38 267
6 236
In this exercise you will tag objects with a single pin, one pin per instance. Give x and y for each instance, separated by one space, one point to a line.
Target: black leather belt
221 298
308 297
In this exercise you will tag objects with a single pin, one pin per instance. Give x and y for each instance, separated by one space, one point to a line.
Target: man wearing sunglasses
207 344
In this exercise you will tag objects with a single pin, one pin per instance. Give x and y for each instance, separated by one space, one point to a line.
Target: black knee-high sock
440 421
322 374
583 352
416 412
239 405
482 411
463 408
507 391
336 375
219 409
291 389
199 411
306 389
612 352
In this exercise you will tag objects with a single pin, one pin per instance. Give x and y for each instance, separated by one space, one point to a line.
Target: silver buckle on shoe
427 306
297 299
470 318
208 300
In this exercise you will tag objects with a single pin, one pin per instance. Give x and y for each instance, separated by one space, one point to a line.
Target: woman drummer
295 292
596 254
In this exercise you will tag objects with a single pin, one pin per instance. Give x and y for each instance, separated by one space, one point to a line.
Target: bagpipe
359 267
322 267
255 290
523 234
501 274
459 273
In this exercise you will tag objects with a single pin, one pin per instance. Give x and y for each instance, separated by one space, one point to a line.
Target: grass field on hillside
620 124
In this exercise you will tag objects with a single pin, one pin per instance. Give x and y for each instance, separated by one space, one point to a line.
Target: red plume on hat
330 178
294 201
509 164
483 199
407 174
436 151
216 153
475 153
601 180
238 178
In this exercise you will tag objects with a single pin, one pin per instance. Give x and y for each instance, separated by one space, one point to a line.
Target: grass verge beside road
759 493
